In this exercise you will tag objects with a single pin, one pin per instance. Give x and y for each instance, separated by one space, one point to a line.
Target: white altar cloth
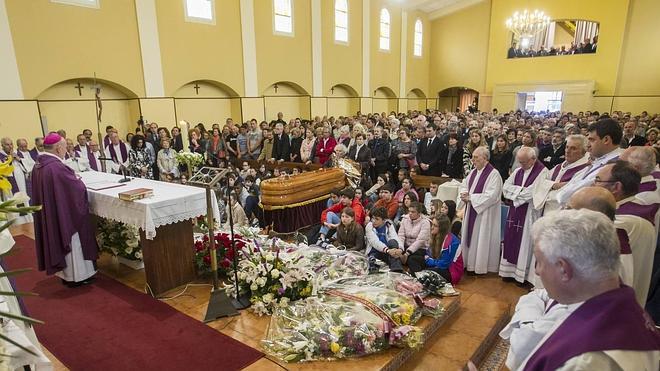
171 202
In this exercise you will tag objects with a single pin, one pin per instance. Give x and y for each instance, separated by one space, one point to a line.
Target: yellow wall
56 42
20 119
385 65
459 50
342 63
283 58
194 51
638 86
417 67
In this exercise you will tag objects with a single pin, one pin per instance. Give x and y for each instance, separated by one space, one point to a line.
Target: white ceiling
438 8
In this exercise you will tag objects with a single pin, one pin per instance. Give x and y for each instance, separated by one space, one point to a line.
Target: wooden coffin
296 189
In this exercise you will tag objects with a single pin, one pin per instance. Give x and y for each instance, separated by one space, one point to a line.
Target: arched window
201 11
384 29
417 38
283 16
341 21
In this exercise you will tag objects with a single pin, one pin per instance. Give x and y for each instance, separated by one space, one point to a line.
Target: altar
164 220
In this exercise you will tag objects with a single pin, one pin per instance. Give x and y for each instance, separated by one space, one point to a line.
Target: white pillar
152 66
10 87
366 48
317 50
249 49
404 54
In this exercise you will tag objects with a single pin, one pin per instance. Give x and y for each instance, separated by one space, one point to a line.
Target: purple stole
113 153
624 241
656 175
568 174
649 186
90 157
106 141
515 223
10 178
479 188
643 211
34 154
610 321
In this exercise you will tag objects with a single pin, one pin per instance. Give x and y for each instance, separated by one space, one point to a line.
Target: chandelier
526 25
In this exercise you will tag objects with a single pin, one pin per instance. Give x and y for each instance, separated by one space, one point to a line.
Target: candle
184 126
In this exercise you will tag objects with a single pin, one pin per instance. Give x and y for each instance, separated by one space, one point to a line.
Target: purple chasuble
643 211
568 174
65 211
515 221
10 178
122 149
650 186
656 174
610 321
479 188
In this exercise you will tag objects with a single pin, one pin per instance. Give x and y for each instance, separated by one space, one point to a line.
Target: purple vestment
479 188
65 211
610 321
34 153
515 222
568 174
113 153
650 186
643 211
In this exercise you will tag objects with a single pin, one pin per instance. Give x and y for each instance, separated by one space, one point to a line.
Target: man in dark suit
513 51
430 153
360 152
629 137
281 144
553 155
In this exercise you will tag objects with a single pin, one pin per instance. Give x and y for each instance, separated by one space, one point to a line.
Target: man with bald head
601 200
622 180
643 159
517 257
480 194
64 236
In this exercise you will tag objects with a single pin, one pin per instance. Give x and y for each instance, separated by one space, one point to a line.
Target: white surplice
483 254
533 318
545 198
650 198
77 268
524 269
78 164
585 177
20 176
112 166
642 239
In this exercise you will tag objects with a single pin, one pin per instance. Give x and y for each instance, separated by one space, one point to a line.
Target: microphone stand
240 301
126 179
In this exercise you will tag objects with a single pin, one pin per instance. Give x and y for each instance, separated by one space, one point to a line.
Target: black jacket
295 149
551 158
380 150
454 166
432 155
282 147
502 163
363 157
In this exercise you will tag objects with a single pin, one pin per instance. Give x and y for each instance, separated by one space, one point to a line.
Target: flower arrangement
329 327
333 264
119 239
223 250
190 159
273 278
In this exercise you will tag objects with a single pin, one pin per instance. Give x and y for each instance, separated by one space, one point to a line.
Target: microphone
126 179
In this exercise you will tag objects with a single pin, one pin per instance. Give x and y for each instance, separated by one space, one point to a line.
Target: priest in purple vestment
636 219
64 236
577 255
517 259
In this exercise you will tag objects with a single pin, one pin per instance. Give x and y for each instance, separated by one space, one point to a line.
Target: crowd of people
514 168
589 46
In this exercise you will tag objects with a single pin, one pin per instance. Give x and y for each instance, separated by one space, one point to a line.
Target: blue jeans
331 218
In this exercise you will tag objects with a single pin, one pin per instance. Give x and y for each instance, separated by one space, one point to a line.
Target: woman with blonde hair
475 139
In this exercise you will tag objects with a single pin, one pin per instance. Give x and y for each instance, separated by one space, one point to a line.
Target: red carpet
109 326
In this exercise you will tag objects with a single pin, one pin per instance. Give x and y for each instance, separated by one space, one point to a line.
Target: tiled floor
483 302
